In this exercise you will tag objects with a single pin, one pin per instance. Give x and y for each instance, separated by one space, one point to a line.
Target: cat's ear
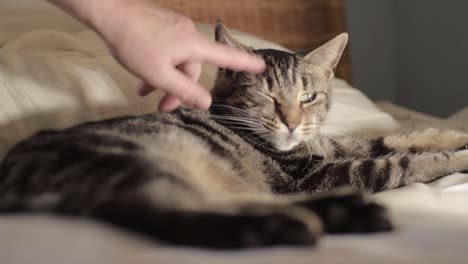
328 55
223 35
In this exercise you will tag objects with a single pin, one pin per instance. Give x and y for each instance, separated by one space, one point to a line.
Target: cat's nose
292 126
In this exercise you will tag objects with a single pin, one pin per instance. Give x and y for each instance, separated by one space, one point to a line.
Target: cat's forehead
278 58
287 70
282 68
284 72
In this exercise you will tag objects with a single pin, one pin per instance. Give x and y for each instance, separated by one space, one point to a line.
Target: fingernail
203 101
261 63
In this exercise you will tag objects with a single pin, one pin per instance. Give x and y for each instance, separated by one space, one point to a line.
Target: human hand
166 51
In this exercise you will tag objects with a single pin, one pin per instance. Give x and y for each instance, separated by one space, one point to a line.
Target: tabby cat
253 171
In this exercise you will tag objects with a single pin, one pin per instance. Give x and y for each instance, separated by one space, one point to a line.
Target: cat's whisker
346 145
254 138
271 128
342 135
329 124
330 144
240 123
264 145
337 125
243 125
322 150
250 116
309 149
232 117
223 117
259 130
262 132
266 121
236 108
360 145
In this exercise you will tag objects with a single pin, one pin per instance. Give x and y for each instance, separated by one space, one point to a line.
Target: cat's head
284 105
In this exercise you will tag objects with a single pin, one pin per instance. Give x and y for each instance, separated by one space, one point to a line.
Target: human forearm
88 11
160 46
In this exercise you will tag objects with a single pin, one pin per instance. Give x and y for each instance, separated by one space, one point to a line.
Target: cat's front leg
341 210
428 140
387 172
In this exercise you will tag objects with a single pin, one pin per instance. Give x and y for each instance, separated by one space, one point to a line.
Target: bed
55 73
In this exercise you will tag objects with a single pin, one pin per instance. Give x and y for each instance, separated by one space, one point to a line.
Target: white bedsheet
432 228
432 218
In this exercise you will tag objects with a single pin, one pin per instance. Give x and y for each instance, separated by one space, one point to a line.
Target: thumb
169 103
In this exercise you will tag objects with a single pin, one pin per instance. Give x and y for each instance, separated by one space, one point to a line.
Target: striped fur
253 171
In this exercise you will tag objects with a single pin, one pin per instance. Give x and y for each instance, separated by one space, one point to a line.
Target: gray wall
412 52
370 27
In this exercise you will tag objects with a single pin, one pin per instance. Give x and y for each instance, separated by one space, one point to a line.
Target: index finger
227 57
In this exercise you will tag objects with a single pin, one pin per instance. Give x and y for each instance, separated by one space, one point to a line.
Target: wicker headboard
296 24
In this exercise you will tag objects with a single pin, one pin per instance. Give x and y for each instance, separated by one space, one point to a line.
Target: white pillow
21 16
53 79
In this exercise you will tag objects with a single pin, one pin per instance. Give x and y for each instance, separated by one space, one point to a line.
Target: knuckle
193 71
185 24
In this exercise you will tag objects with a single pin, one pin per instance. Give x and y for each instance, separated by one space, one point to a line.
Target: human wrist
93 13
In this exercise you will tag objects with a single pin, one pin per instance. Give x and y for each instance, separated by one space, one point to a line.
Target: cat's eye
308 97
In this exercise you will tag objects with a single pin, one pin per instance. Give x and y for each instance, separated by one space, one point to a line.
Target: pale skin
160 46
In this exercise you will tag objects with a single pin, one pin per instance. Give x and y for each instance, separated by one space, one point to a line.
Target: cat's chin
286 145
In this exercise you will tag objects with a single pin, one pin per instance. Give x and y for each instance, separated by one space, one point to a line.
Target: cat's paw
350 213
430 140
458 139
461 158
276 229
464 147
